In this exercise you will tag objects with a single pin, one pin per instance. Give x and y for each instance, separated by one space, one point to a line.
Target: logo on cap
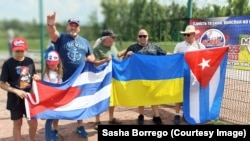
19 44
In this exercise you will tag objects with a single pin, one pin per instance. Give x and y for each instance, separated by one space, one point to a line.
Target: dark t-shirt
150 49
73 52
19 75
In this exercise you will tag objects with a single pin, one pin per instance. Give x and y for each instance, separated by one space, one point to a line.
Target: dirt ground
127 115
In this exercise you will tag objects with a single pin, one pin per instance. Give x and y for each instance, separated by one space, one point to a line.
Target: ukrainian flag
143 80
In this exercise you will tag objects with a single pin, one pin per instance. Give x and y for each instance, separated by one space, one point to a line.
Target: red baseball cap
19 43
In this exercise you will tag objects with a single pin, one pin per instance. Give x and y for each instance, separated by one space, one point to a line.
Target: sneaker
96 125
140 120
177 119
157 120
81 131
54 135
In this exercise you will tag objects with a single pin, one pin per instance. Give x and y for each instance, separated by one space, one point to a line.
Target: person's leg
55 124
140 119
80 129
155 110
156 118
16 117
32 129
177 116
112 120
48 130
97 121
17 124
177 108
141 110
54 128
79 123
111 112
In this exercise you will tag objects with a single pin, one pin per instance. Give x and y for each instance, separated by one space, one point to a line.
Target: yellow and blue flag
142 80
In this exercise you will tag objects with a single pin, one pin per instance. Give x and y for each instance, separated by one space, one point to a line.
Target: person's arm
99 62
129 51
90 58
121 53
51 27
5 86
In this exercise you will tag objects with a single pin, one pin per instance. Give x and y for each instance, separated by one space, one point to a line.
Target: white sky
28 10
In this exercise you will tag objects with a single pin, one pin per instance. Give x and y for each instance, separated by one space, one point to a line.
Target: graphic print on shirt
25 77
74 53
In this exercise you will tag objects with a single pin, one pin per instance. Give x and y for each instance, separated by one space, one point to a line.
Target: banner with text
233 31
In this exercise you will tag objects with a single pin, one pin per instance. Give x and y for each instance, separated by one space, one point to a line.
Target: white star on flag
204 63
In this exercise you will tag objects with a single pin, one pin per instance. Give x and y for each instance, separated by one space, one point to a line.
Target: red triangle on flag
50 97
203 63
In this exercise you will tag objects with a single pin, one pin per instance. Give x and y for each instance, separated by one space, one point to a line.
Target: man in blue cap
73 50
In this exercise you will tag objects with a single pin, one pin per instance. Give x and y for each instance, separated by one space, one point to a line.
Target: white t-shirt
54 77
185 46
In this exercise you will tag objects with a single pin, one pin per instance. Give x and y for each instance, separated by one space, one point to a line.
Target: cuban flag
84 95
204 79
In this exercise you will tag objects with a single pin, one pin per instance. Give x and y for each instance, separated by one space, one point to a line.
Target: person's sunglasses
186 35
144 36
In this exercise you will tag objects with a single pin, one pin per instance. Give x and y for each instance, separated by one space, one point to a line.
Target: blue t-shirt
73 52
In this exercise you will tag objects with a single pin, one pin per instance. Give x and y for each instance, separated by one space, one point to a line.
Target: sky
28 10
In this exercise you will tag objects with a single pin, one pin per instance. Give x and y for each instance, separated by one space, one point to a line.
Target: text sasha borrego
173 133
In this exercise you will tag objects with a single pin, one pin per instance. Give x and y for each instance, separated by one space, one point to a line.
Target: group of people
70 51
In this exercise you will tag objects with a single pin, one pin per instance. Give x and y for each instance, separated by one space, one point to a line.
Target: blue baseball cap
74 21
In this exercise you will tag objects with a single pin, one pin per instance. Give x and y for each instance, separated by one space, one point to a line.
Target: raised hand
51 19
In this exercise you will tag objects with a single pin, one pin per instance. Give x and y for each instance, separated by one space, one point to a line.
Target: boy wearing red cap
16 77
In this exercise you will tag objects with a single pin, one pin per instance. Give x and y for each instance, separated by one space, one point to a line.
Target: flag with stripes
143 80
204 79
84 95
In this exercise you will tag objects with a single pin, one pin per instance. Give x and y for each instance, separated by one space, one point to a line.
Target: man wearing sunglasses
144 47
189 44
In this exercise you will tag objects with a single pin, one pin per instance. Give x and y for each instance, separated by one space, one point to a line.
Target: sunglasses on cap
186 35
144 36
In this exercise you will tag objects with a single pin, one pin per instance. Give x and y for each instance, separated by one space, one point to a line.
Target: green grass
34 44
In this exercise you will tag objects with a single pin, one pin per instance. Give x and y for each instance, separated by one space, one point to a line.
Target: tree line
126 17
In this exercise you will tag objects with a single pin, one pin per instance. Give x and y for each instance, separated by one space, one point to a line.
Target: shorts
17 114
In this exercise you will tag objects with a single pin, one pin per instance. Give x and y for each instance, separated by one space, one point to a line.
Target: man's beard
72 34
